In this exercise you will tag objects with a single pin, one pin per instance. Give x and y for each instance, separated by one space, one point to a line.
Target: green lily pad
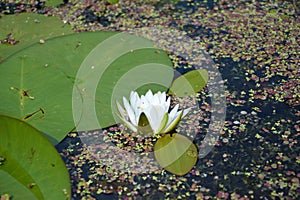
113 1
176 153
37 84
30 167
26 29
107 74
9 184
189 83
53 2
141 70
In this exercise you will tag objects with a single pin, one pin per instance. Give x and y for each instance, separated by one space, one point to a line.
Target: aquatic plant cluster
255 46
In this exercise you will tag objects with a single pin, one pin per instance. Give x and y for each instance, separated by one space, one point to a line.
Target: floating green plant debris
31 168
176 153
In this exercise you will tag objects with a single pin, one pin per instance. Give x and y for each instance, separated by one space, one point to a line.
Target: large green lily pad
54 2
113 1
38 84
136 74
30 167
26 29
108 74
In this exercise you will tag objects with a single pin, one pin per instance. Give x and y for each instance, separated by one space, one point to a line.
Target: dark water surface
255 47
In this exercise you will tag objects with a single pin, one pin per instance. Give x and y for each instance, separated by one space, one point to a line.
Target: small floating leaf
30 166
113 1
54 2
176 153
189 83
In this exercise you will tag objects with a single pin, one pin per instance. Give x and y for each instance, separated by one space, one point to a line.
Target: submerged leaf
176 153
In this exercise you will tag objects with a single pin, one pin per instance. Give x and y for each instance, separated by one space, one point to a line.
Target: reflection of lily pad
176 153
189 83
27 29
30 167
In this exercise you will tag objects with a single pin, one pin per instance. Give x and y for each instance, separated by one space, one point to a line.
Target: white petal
149 95
144 103
132 97
172 115
163 123
185 111
170 126
129 125
132 93
134 100
121 110
155 100
155 115
167 104
173 112
130 112
162 97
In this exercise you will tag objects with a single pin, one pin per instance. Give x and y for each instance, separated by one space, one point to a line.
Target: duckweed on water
255 46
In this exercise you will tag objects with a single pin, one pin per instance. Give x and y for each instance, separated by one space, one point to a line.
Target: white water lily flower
150 113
